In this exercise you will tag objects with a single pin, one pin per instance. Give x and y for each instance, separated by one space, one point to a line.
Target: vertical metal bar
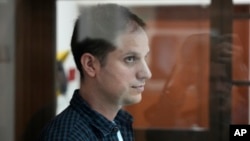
220 101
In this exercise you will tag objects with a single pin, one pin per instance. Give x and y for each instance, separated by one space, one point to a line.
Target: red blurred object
71 75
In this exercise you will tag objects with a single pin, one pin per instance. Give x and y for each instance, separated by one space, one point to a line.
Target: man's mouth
139 88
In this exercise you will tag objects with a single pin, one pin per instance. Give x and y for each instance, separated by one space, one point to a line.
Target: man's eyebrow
135 53
132 53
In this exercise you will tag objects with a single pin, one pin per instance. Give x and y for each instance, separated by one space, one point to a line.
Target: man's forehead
133 47
136 38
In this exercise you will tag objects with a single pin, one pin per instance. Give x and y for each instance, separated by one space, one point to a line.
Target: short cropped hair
96 29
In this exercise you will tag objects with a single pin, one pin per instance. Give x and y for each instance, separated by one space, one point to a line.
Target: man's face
121 81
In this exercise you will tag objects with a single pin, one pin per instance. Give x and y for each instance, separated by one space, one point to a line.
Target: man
110 47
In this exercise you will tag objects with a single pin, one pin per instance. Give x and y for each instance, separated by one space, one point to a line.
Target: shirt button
115 129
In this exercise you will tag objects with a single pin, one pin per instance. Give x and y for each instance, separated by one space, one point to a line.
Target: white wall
66 14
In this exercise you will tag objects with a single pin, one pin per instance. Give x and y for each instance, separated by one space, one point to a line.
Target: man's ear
90 64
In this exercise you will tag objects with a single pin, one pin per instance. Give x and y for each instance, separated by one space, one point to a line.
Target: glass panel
177 95
241 59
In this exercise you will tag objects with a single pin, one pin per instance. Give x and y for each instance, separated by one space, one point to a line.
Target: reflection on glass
176 97
177 94
240 72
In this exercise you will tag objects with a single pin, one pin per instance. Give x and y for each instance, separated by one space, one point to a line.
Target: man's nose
144 72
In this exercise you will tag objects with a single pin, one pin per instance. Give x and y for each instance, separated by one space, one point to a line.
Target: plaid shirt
78 122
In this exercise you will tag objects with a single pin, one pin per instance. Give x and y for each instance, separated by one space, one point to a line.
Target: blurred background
200 57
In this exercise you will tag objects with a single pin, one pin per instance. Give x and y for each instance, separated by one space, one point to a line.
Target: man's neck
98 104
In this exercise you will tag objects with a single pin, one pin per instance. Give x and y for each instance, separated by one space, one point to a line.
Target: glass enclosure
179 61
180 34
199 59
200 70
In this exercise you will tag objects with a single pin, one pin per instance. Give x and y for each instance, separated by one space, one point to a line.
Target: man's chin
134 100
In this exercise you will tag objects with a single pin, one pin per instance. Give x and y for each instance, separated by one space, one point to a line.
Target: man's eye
130 59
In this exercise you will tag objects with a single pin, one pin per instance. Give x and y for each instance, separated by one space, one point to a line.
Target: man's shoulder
67 125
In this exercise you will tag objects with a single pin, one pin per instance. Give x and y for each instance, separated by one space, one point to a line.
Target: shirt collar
97 120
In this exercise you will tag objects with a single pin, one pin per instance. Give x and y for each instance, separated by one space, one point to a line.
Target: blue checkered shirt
78 122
